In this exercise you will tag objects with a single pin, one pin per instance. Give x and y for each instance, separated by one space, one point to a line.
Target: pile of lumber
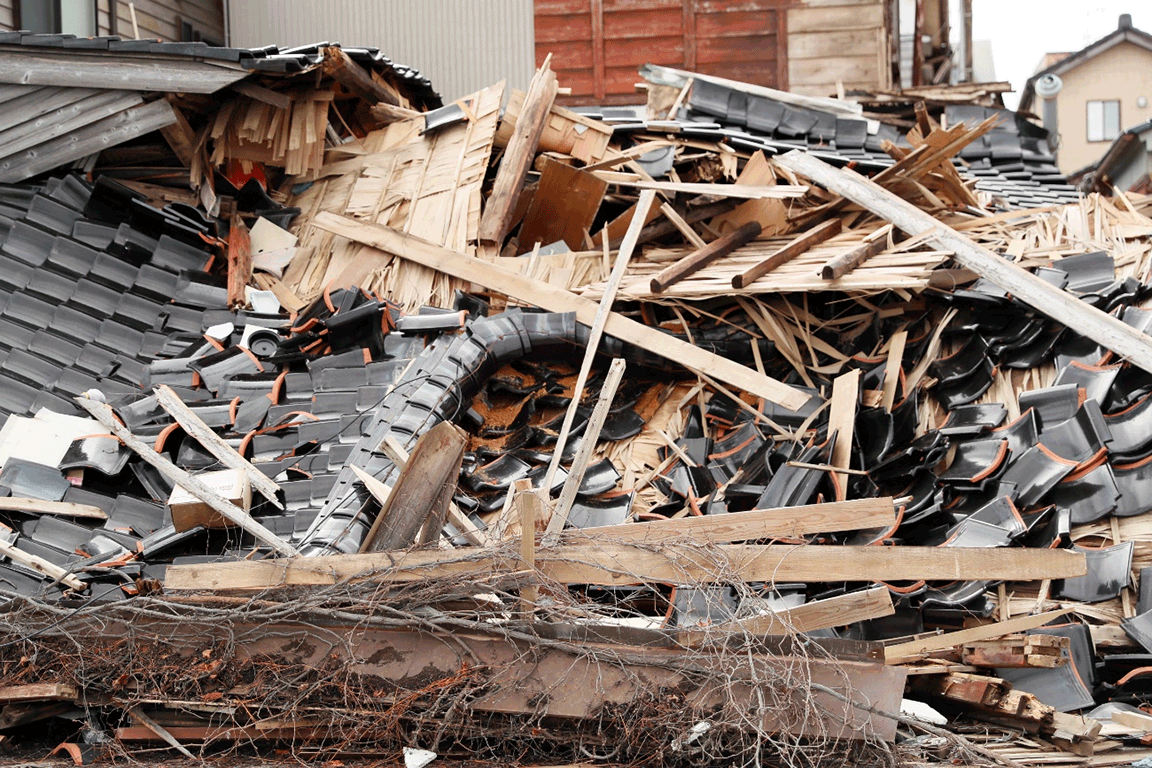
566 439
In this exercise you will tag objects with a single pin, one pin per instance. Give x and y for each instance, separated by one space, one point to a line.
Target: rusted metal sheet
597 45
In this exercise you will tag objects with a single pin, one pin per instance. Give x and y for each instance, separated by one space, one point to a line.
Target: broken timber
1063 307
607 563
556 299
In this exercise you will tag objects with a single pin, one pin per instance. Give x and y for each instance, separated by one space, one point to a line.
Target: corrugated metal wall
461 45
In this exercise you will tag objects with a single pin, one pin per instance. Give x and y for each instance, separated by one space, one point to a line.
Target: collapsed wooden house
740 425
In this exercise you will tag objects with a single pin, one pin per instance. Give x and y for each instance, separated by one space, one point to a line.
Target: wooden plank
588 442
796 246
160 731
595 333
181 138
563 207
530 507
38 102
354 77
417 494
784 522
555 299
696 261
741 191
684 227
77 69
269 96
102 134
892 368
60 122
1140 722
841 422
103 414
623 564
1127 342
61 508
45 568
214 444
831 612
10 694
896 654
497 218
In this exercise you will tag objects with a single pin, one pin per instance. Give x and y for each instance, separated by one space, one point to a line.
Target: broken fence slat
624 564
556 299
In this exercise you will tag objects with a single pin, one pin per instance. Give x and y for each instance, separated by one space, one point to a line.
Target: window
70 17
1103 120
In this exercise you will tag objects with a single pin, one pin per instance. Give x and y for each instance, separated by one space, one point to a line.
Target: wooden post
1063 307
791 250
355 78
530 505
714 251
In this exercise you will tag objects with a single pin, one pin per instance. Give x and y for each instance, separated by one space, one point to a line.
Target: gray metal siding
461 45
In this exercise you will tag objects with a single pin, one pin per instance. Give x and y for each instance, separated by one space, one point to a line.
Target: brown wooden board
563 207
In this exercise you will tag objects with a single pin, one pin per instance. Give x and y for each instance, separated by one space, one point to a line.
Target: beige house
1104 89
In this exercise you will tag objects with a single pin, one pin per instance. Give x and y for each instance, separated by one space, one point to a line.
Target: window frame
18 21
1103 121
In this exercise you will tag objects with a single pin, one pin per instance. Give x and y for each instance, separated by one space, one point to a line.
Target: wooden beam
239 262
556 299
45 568
587 444
103 414
501 203
12 694
214 444
266 95
1017 652
624 564
784 522
696 261
355 78
386 114
595 333
912 650
831 612
789 251
1063 307
892 368
74 68
61 508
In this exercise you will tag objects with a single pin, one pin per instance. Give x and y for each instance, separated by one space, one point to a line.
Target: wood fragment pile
811 485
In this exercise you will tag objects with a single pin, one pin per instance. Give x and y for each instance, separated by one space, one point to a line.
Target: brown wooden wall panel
831 43
598 45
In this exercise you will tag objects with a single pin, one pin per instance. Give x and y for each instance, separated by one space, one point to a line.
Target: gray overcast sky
1022 31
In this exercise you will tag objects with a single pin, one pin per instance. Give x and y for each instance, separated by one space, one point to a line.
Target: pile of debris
342 420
